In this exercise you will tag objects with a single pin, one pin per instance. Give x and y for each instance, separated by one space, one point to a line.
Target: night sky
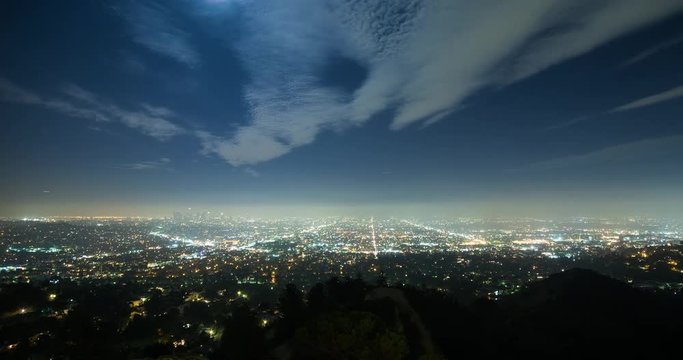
539 108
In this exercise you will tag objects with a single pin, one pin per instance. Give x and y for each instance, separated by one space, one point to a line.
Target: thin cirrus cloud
667 95
252 172
80 103
424 59
162 163
638 151
153 27
649 52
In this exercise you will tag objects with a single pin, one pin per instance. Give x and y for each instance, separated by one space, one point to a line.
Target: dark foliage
573 314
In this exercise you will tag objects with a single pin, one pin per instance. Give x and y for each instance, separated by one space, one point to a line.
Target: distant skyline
316 107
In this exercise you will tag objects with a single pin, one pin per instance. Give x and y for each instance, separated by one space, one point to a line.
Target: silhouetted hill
581 287
574 314
580 313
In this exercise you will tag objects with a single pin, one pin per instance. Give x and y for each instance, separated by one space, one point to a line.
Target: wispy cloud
628 153
643 102
424 59
154 28
158 110
652 99
252 172
162 163
652 51
569 123
80 103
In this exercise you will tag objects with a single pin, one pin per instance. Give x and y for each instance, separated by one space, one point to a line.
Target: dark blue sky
311 107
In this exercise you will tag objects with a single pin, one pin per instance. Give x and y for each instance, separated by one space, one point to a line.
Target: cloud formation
652 99
149 165
80 103
632 152
424 59
154 28
252 172
665 45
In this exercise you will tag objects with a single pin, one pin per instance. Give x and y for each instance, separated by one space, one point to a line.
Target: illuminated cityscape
204 263
492 257
499 255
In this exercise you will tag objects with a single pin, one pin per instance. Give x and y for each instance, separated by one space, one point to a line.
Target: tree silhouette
349 335
242 338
